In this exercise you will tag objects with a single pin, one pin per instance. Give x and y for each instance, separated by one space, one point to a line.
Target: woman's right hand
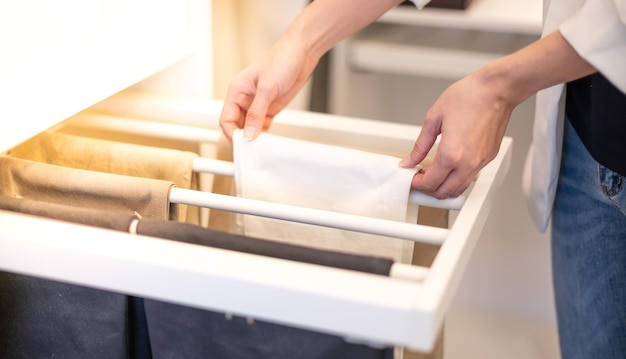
262 90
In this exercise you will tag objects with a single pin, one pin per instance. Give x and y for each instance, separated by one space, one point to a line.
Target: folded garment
48 319
283 170
183 332
87 189
194 234
112 157
91 217
197 235
149 139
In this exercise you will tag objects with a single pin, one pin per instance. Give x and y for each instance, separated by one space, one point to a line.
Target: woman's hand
262 90
471 116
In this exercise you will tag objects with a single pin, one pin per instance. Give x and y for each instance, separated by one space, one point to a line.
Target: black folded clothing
194 234
445 4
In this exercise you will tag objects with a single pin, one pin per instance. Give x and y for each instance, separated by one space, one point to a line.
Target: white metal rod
150 128
429 201
408 272
210 165
389 228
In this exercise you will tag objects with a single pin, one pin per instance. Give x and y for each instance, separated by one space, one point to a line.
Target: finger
257 113
430 179
231 118
425 141
463 187
452 185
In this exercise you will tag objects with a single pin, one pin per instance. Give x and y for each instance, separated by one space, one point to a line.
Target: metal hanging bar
356 223
142 127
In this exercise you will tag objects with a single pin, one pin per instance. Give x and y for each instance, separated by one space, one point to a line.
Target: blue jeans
42 318
182 332
589 255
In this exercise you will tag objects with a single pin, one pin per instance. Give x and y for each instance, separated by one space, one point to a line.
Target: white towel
284 170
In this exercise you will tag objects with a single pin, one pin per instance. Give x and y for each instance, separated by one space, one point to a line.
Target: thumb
425 141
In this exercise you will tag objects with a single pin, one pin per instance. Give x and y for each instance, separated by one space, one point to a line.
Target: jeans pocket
612 184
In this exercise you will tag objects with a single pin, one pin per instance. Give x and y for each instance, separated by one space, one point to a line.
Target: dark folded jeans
41 318
183 332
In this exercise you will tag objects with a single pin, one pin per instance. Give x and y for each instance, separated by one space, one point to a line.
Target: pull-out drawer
402 310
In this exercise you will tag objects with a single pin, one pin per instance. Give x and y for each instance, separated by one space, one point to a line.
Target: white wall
194 75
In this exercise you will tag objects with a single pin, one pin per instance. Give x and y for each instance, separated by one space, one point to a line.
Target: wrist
545 63
504 84
307 42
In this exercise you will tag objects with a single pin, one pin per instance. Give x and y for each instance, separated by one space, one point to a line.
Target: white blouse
597 31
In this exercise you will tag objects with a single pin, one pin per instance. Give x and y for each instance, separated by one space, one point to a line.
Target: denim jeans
42 318
589 255
183 332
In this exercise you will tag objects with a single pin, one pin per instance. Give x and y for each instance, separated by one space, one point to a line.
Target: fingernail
249 132
403 162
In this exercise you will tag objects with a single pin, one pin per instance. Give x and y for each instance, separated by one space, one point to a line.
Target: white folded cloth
295 172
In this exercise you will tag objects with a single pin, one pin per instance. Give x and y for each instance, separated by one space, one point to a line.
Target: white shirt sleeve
597 31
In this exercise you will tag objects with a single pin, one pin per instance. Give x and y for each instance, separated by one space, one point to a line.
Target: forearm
545 63
324 23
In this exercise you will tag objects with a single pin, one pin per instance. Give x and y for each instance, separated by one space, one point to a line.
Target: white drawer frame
361 307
